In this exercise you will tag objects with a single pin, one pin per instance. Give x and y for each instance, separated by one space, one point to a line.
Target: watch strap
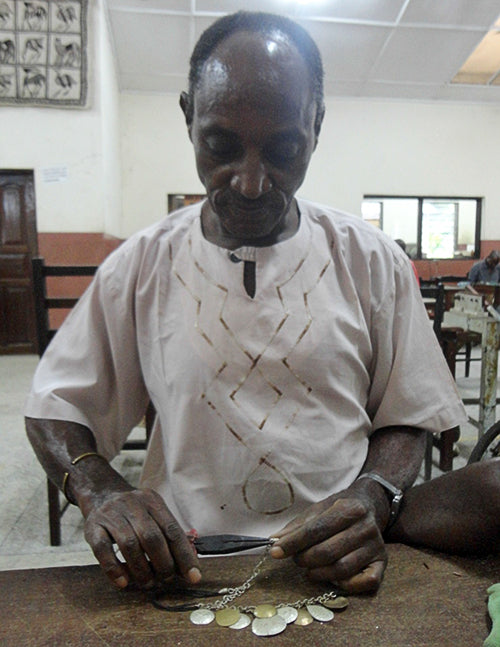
396 493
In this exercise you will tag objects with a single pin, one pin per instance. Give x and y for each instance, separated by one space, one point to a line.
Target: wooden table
426 599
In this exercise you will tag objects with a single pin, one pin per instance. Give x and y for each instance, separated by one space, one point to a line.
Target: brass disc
227 617
303 617
264 611
339 603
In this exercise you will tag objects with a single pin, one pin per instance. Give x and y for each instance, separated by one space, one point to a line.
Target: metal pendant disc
320 613
227 617
264 611
268 626
338 603
303 617
202 616
244 621
289 614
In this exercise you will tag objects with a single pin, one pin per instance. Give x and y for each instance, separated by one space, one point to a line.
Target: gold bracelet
76 460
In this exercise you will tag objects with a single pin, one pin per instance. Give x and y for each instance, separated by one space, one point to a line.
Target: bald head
279 30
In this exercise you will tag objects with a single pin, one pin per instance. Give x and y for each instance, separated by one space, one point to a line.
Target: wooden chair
464 354
45 332
450 340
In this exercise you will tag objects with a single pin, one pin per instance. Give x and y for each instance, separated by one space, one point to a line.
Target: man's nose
251 178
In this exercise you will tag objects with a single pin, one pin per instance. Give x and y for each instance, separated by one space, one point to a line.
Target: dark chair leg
54 514
447 439
468 349
428 456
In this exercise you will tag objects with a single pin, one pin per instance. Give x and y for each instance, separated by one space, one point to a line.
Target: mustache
272 201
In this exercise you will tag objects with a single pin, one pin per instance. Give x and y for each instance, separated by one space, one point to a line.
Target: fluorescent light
483 65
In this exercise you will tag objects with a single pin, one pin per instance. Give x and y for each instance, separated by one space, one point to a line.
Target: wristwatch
396 493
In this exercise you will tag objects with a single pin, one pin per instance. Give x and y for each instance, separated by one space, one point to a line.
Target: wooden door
18 243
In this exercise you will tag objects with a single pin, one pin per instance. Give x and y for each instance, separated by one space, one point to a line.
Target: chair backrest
449 278
435 295
44 303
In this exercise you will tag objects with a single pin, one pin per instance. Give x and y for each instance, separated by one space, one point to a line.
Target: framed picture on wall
43 53
178 200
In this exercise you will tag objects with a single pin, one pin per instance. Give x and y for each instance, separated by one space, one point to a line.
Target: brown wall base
92 249
75 249
429 269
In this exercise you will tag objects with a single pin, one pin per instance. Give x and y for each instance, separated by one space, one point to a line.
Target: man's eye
283 153
221 147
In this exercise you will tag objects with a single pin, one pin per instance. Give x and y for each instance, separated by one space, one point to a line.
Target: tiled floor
24 539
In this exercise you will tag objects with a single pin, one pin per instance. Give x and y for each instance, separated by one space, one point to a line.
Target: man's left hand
337 540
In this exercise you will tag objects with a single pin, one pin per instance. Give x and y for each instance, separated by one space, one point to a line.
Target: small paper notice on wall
51 174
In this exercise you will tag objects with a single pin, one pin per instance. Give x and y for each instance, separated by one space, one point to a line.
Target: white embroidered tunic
265 404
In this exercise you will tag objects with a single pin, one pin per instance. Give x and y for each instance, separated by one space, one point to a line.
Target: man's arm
340 539
474 274
458 512
151 541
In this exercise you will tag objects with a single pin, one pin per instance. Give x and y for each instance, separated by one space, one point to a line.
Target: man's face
253 132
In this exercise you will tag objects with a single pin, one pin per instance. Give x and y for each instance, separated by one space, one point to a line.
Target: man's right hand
148 537
138 522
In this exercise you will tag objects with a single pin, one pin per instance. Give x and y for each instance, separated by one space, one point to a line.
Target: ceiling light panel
146 42
483 65
381 10
151 5
470 13
423 55
347 50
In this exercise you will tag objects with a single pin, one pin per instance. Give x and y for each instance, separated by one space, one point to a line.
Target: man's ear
320 113
187 108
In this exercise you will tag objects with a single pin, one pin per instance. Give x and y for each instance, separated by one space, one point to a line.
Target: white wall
381 147
157 158
127 152
109 99
83 141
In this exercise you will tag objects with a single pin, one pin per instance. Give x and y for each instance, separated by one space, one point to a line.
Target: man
487 270
284 345
402 244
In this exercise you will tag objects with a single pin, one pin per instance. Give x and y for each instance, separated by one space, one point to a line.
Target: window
432 227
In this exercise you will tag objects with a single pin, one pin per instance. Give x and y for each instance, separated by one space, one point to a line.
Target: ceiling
403 49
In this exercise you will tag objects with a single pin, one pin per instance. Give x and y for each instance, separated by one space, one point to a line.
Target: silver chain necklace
265 619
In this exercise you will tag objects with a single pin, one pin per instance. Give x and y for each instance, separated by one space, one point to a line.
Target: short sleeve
90 373
411 381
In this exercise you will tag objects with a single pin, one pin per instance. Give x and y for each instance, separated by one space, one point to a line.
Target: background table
426 599
489 329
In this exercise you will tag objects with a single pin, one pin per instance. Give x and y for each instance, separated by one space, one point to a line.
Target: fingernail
121 582
277 552
194 575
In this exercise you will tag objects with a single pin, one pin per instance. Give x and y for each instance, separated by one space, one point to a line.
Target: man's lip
250 208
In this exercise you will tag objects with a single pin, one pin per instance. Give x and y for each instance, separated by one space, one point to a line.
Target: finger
342 514
368 580
119 525
363 535
184 556
178 544
362 580
150 551
138 565
102 547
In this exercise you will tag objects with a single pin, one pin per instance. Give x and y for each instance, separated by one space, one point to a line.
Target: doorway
18 244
